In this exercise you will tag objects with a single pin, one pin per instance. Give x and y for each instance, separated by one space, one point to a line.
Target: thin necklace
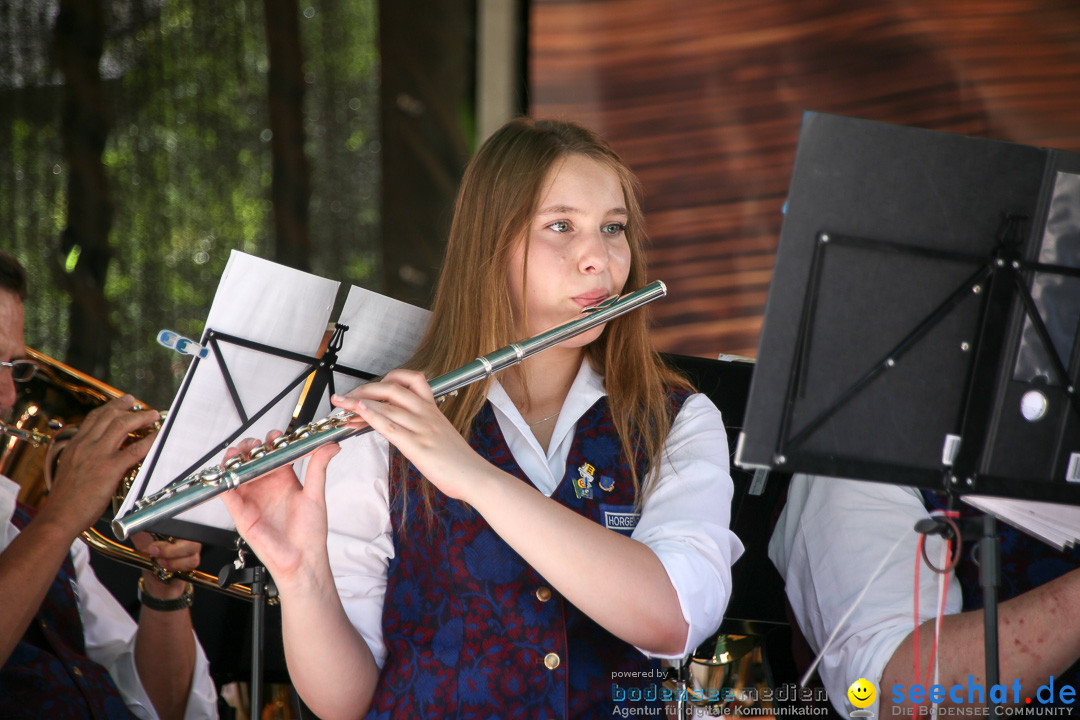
544 420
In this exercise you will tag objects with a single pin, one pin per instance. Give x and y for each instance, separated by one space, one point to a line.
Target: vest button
77 671
543 593
551 661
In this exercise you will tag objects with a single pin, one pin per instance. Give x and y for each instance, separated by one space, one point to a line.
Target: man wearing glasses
21 370
67 647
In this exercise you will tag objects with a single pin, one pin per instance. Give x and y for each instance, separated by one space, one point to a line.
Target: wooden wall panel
704 99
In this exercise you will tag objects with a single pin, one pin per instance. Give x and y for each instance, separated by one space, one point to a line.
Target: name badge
620 518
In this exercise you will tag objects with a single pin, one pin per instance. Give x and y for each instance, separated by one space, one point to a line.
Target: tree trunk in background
84 125
291 189
427 114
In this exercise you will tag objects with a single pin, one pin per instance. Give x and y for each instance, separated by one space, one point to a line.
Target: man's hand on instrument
95 460
169 554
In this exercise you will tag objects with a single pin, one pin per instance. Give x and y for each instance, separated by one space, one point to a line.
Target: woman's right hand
283 521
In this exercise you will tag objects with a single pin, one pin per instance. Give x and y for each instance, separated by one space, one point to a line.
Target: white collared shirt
110 631
828 541
685 519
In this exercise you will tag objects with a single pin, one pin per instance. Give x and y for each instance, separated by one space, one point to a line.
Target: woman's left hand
402 408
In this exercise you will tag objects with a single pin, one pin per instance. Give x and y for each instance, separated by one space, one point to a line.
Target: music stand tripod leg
258 628
989 572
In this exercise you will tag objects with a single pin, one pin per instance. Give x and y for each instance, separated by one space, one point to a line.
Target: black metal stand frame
243 570
323 366
254 574
1002 271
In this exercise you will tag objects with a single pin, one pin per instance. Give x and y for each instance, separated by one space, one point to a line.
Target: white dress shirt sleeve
830 538
686 518
110 632
110 642
359 538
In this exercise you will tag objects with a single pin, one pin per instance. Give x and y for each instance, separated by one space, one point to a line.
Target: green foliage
189 166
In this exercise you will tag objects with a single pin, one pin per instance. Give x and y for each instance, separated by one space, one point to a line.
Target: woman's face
578 253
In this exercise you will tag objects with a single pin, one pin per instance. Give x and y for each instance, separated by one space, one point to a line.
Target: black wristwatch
184 601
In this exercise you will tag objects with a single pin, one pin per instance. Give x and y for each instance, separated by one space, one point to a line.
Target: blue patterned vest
48 674
474 632
1026 563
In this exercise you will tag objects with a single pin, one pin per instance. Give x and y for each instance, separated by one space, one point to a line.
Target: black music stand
246 569
265 362
319 369
921 327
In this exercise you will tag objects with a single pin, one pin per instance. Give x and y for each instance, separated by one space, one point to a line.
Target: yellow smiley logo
862 693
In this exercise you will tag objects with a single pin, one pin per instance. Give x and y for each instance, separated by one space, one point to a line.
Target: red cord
921 557
915 633
941 613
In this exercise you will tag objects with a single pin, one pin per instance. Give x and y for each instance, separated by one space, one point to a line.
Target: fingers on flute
315 475
242 448
412 380
348 402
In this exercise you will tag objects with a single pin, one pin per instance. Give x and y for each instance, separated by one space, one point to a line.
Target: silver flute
204 485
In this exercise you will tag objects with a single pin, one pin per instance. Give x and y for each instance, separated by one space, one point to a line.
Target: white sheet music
382 335
1053 523
283 308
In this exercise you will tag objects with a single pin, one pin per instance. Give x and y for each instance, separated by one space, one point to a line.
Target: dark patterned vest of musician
474 632
1026 563
48 674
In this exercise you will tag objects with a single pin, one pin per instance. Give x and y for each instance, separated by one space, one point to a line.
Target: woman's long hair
471 313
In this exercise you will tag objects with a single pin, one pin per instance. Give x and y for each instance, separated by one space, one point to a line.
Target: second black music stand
922 321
